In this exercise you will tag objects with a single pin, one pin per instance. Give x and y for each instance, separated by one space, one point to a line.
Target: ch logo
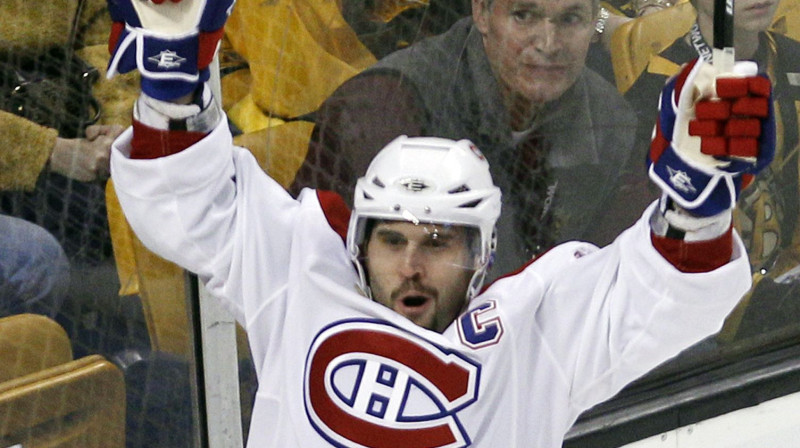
370 384
167 59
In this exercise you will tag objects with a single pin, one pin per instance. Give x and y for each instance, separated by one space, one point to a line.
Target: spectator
611 16
514 82
55 178
29 149
34 272
636 8
599 56
62 163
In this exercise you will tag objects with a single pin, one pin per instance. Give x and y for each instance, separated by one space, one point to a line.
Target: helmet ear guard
483 266
427 180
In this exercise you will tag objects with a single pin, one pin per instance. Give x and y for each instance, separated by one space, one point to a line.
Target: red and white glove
171 43
714 132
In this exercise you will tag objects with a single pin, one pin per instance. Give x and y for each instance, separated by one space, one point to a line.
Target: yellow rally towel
297 64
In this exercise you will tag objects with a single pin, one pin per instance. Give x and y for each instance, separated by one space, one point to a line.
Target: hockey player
371 329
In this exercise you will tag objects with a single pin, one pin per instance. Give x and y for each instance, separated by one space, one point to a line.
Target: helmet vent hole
460 189
377 181
471 204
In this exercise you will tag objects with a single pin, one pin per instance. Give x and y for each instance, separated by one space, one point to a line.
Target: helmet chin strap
361 285
366 291
476 282
479 276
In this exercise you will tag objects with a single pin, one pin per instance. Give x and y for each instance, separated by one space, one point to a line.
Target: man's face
537 48
420 271
749 15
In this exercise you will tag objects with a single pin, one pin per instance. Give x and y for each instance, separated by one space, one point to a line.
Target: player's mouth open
414 301
412 305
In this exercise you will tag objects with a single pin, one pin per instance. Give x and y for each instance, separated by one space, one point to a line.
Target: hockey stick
724 56
221 367
198 399
216 404
215 368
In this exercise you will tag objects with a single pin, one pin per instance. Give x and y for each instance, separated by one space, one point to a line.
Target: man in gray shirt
512 79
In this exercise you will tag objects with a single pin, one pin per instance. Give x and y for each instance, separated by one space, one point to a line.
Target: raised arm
189 194
672 279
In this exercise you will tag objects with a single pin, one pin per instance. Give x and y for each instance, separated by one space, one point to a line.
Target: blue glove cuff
168 65
692 189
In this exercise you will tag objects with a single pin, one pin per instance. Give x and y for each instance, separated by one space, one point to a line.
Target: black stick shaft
723 24
199 408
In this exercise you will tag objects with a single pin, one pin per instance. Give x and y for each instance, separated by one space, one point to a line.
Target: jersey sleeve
192 208
609 316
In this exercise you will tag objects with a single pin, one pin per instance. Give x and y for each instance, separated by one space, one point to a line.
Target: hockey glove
713 134
171 43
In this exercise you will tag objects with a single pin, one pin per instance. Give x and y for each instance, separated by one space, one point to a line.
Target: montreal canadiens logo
370 384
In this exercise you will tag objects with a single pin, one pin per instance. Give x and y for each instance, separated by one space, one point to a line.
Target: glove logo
680 180
167 59
370 384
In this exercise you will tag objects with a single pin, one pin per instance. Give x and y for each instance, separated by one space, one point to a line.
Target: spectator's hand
606 26
714 132
85 159
171 43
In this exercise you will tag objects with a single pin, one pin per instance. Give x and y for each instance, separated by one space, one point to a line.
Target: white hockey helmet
427 180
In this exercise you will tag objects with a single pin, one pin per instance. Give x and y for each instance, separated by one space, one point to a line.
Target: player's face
537 48
420 271
749 15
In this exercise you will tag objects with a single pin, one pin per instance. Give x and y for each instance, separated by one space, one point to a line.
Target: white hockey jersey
336 369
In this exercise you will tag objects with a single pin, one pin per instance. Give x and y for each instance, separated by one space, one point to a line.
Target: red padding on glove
681 79
741 87
732 87
743 147
113 38
743 127
760 86
207 42
705 128
152 143
659 144
714 146
751 107
713 110
695 256
747 179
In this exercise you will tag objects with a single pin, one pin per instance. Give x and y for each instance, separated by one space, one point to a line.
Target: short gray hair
595 5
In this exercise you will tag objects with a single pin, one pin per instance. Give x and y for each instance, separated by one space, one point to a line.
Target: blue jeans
34 271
